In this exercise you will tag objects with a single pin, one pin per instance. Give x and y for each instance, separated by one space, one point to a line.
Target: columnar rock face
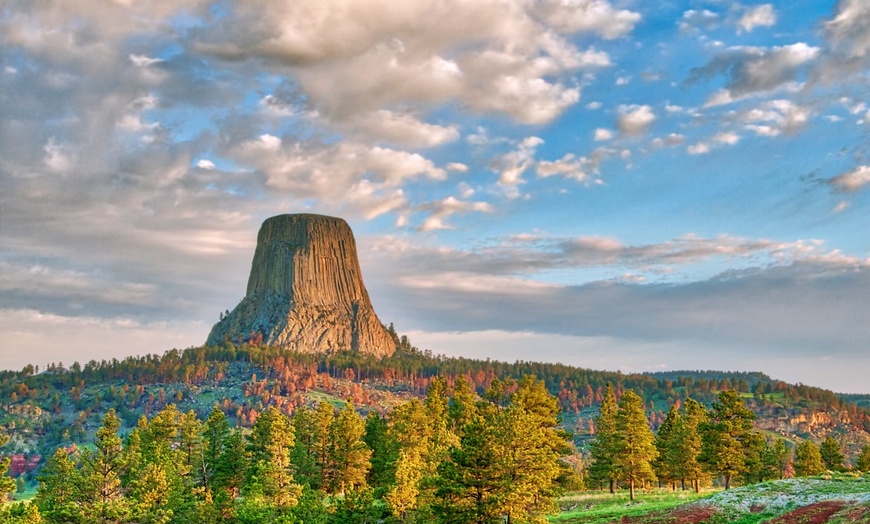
306 292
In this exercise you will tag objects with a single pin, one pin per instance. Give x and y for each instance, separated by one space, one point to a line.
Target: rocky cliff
306 292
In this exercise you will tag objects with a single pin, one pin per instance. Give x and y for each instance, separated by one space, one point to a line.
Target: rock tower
306 292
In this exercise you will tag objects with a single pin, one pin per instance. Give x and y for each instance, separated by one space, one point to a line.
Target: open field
827 499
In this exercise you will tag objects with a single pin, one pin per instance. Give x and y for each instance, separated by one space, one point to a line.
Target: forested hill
62 405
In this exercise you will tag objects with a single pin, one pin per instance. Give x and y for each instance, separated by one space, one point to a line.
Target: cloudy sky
614 184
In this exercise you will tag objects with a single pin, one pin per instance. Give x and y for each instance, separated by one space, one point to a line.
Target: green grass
600 507
744 505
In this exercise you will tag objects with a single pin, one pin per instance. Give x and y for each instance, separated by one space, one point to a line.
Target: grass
600 507
754 504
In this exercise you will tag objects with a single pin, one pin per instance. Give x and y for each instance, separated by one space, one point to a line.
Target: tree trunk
611 486
727 481
683 484
631 489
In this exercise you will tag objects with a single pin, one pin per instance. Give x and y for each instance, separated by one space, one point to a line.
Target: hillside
63 405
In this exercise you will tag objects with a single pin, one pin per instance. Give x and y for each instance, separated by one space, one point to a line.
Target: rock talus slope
305 291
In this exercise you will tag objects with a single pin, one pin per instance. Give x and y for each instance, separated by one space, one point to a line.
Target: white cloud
599 16
603 134
698 149
727 137
671 140
754 70
851 181
776 117
698 19
635 119
512 165
440 210
759 16
205 164
569 166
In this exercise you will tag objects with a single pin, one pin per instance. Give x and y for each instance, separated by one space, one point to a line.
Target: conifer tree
350 455
726 437
667 442
7 485
832 454
863 462
215 432
385 452
462 409
635 448
688 443
58 499
604 447
102 495
807 459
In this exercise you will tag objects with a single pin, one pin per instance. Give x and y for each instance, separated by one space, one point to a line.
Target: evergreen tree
687 441
7 485
667 442
349 464
863 462
385 453
271 473
215 433
807 459
604 448
58 499
470 480
726 437
102 496
831 453
305 453
462 410
635 448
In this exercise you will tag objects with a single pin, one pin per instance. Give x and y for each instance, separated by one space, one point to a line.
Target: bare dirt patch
818 513
690 514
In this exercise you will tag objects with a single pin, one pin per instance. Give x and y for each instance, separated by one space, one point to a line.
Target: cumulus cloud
440 210
758 16
634 119
848 40
512 165
851 181
367 56
775 117
698 19
753 70
603 134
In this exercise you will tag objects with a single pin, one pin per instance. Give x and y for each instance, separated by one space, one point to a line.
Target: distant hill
62 406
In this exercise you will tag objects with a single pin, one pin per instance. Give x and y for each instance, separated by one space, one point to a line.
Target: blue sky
611 184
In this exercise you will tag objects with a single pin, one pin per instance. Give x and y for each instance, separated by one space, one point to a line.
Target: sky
611 184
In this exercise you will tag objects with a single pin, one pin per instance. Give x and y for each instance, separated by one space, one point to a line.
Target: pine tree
102 495
635 448
688 444
270 443
667 442
726 437
215 433
57 498
7 485
807 459
385 453
603 448
832 455
462 410
470 479
863 462
349 462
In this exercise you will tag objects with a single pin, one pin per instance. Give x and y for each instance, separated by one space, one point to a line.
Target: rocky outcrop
306 292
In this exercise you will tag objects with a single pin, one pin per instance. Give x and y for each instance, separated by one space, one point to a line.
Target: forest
254 434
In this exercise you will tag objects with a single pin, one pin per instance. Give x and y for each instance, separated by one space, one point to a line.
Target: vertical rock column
305 291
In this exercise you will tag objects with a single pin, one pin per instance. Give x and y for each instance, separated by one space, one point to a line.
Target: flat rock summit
306 292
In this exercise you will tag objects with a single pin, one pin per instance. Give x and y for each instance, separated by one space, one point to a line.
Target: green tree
58 499
726 437
102 495
832 454
385 453
604 448
306 449
7 485
807 459
667 443
215 433
463 408
863 462
635 448
349 462
470 479
271 473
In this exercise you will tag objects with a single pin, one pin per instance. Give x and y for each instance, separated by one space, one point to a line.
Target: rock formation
306 292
